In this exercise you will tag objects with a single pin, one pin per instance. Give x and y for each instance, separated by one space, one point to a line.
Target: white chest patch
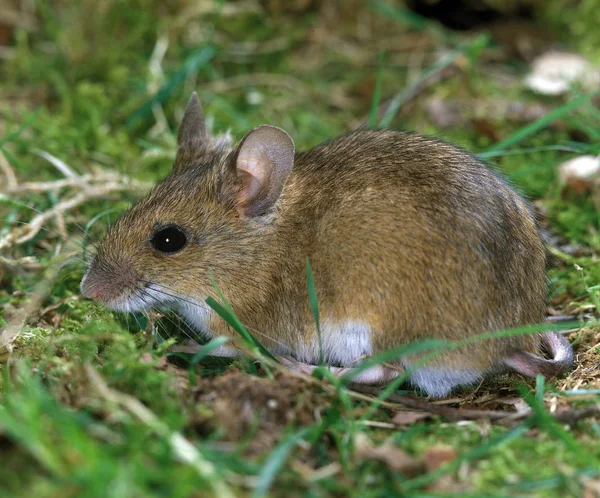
197 316
196 313
343 343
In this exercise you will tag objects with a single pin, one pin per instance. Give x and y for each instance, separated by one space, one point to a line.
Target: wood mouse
409 238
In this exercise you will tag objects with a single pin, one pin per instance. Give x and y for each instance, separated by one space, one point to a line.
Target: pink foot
376 375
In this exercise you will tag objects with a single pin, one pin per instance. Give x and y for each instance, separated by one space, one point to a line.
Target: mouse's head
208 214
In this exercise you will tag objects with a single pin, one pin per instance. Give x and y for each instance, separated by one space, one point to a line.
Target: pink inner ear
264 161
251 187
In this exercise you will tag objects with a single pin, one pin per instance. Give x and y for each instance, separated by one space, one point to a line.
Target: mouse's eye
169 239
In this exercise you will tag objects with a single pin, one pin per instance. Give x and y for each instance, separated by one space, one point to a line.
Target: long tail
530 365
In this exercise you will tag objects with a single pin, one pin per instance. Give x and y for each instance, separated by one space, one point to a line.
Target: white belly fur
343 343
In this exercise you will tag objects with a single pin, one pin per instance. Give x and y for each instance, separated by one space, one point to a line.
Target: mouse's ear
192 131
263 161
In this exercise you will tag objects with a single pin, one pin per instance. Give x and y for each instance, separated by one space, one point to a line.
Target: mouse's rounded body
409 238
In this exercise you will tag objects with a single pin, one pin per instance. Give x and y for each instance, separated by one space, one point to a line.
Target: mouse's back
421 238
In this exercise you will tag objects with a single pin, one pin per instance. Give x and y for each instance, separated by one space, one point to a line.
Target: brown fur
410 235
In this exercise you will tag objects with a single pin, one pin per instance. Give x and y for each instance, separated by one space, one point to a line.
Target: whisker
206 307
171 321
175 296
137 322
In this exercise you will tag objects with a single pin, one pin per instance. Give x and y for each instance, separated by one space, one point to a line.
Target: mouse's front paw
296 366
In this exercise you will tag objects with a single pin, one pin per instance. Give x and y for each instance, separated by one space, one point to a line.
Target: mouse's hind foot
375 375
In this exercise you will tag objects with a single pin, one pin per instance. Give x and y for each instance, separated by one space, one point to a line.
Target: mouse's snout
93 289
109 285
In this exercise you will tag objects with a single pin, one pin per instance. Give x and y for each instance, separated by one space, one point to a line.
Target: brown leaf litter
388 453
398 460
239 403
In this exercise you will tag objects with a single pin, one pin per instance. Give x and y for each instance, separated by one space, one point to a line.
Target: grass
93 403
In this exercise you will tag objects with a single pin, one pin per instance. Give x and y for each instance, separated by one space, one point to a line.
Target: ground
93 403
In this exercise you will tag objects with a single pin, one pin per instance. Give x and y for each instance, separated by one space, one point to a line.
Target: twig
572 416
413 90
28 263
567 416
16 323
566 318
30 230
185 451
101 177
61 166
61 226
44 186
449 413
11 178
227 9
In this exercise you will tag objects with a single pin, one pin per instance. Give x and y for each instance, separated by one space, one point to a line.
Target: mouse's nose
94 294
89 288
97 286
105 283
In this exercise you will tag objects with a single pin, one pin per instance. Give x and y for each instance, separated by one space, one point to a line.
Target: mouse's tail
531 365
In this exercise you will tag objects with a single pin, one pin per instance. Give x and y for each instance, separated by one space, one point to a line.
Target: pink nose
94 294
92 288
102 284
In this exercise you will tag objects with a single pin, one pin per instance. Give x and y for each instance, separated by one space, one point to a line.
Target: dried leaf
438 455
486 128
553 73
580 174
389 454
434 458
519 404
591 488
409 417
6 33
160 363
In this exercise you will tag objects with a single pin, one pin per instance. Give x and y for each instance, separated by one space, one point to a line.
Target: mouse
409 238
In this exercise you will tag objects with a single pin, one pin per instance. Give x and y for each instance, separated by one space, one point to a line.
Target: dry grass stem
182 448
7 170
96 186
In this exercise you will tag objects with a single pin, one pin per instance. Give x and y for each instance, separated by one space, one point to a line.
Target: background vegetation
91 92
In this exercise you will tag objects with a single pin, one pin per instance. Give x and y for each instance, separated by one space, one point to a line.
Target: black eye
169 239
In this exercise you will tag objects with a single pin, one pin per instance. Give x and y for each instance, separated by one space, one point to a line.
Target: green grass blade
89 225
208 348
226 312
444 62
276 461
202 353
193 64
400 15
539 124
26 124
477 452
594 293
376 93
314 306
540 387
437 348
394 354
233 321
546 422
532 150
